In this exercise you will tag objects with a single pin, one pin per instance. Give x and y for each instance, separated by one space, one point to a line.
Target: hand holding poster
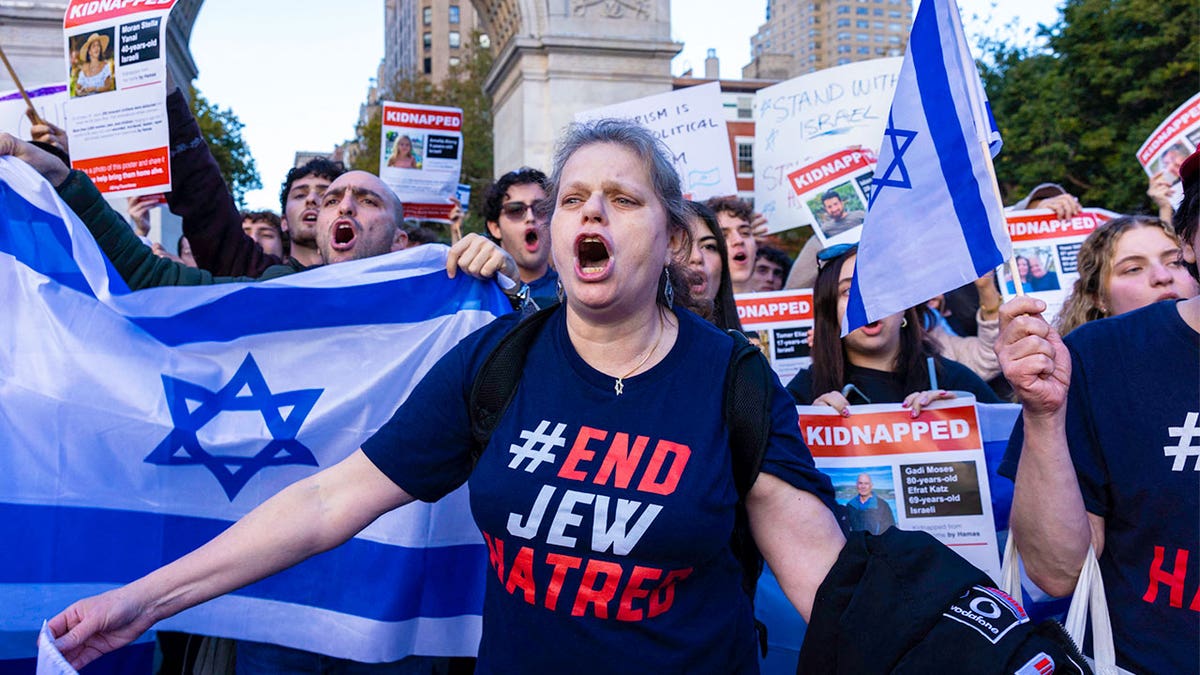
1045 248
691 123
927 473
116 78
781 321
1171 143
805 129
421 157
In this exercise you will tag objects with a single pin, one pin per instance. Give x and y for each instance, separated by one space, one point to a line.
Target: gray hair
663 177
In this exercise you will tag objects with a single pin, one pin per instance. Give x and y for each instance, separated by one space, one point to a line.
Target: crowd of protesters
1087 456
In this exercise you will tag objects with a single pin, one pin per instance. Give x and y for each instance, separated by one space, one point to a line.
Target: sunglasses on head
516 210
833 253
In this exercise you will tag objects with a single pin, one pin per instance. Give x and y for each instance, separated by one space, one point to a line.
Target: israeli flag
136 426
934 221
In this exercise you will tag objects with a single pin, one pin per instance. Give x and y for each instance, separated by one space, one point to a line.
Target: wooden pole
16 80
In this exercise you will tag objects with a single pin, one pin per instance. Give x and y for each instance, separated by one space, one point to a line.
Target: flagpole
1012 260
33 116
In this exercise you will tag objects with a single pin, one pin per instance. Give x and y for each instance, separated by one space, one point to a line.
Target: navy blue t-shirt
607 518
1134 436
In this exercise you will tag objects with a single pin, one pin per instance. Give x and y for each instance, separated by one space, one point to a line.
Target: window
428 66
843 36
893 39
455 61
427 40
864 50
862 23
843 9
427 16
843 61
485 41
878 12
454 14
745 156
895 27
843 49
843 23
455 39
863 11
862 37
894 14
879 38
878 25
745 107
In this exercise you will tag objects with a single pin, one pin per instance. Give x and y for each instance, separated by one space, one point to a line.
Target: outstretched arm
135 262
306 518
797 535
1049 521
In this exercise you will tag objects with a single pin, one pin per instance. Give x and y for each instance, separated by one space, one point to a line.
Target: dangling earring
904 322
558 290
668 289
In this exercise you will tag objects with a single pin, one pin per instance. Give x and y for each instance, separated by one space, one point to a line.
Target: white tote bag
1087 601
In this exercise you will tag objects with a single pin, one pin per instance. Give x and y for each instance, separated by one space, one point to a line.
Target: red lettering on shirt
1173 579
495 554
637 592
580 453
621 460
634 591
520 575
561 564
664 596
678 454
597 597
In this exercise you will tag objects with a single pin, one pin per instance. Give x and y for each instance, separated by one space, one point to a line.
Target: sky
271 60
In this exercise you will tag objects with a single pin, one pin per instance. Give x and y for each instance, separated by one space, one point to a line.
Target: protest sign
780 320
1046 248
1171 143
116 79
836 190
420 157
928 473
805 127
49 101
691 122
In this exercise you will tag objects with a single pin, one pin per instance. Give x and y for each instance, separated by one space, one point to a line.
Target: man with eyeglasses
511 221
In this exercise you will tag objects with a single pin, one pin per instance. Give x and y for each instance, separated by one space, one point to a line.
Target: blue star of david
900 140
181 447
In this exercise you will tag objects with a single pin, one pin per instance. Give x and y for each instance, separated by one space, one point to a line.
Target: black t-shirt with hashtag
1133 427
607 518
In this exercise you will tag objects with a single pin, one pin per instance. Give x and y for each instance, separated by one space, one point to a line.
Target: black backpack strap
747 410
498 377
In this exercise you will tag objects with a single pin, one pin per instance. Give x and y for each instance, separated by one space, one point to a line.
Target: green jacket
133 260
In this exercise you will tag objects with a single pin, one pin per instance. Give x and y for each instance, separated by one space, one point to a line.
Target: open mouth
309 217
531 239
872 329
343 235
739 257
592 257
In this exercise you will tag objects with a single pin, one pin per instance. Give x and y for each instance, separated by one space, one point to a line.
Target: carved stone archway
555 58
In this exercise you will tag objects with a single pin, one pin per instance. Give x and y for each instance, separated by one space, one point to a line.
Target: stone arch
555 58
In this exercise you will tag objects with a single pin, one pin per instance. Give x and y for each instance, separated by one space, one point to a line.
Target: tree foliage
222 130
1076 110
462 89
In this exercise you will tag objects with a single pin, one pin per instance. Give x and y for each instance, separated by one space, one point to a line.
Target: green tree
222 130
1075 110
462 89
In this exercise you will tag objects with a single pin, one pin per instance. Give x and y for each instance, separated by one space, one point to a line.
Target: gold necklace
619 385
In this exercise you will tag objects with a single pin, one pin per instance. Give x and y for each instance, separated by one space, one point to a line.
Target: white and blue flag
934 221
136 426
